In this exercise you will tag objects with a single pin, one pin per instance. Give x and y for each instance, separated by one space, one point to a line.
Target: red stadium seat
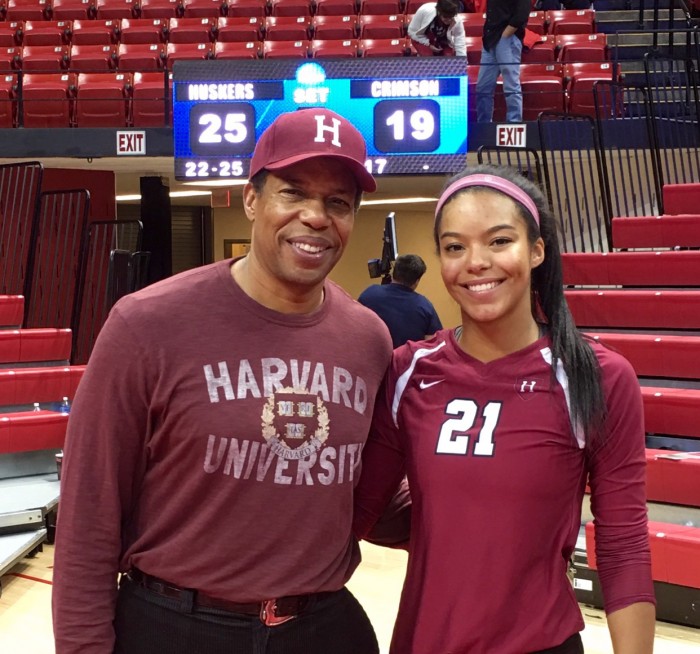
93 58
115 9
8 100
161 8
133 57
380 7
543 89
204 8
335 27
102 100
579 79
237 50
10 59
287 28
335 7
191 30
473 24
571 21
96 32
45 58
47 32
474 45
72 9
341 48
581 47
149 99
291 7
412 6
372 26
143 30
537 22
239 29
543 52
383 48
11 33
187 51
47 102
27 10
286 49
247 8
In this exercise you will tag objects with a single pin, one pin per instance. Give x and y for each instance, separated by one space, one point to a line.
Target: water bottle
65 406
37 407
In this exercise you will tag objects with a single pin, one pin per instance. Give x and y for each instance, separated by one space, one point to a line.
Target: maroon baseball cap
307 133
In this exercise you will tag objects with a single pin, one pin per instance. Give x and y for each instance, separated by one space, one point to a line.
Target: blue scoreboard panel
411 111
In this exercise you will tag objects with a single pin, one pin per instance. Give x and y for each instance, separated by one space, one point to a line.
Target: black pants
571 645
147 623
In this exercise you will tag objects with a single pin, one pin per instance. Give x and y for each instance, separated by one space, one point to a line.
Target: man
215 439
409 315
436 30
502 50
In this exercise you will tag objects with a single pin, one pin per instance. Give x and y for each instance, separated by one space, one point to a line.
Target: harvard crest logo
294 424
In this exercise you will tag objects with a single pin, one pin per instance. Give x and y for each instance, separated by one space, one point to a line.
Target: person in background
436 30
500 424
214 443
503 33
409 315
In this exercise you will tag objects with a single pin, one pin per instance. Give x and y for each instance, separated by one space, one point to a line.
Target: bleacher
36 384
643 300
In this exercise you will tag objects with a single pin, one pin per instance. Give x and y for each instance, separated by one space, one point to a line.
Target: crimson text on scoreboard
412 111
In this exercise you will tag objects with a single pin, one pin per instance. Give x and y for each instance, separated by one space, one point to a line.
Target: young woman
498 425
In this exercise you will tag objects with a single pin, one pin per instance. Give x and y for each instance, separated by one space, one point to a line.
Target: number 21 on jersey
453 438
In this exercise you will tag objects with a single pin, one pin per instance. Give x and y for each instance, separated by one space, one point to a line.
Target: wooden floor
25 607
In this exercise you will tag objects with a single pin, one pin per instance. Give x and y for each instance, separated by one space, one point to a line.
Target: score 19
407 126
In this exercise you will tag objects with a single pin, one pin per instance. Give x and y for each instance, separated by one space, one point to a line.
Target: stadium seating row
239 28
138 99
132 57
15 10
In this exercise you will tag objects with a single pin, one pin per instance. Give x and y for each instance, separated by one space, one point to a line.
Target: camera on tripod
382 267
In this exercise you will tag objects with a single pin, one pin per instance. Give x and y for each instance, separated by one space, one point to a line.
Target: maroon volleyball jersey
497 477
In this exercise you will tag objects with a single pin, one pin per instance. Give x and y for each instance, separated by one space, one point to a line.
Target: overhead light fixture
173 194
367 203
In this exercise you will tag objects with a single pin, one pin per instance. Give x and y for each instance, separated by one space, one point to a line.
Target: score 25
407 126
222 129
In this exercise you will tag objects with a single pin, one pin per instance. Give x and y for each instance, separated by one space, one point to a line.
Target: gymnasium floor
25 617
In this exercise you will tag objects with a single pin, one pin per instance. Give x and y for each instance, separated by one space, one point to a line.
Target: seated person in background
409 315
436 30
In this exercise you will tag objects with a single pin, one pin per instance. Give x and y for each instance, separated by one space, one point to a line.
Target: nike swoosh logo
423 384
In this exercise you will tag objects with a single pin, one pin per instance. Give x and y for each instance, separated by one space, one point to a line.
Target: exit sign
131 143
511 136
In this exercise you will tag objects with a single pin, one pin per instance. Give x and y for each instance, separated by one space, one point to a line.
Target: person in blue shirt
409 315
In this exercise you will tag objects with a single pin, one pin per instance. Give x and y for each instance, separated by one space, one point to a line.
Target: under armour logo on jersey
322 128
527 386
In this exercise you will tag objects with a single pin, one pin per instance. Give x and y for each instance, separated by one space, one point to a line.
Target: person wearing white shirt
436 30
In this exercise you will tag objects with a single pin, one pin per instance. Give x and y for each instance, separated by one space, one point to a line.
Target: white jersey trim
564 383
403 379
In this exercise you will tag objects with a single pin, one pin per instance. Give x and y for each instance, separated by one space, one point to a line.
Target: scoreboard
412 111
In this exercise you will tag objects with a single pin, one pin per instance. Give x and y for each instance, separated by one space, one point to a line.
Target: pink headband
491 181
